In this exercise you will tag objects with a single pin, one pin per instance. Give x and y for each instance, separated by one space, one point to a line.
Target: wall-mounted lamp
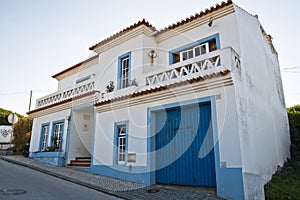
152 54
210 22
68 117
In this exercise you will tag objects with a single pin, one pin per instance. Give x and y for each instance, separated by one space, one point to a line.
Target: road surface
18 182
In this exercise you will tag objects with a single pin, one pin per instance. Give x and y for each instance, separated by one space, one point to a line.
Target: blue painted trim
42 133
54 158
193 44
182 103
83 79
68 137
230 183
137 174
94 135
229 180
128 54
171 57
53 128
116 137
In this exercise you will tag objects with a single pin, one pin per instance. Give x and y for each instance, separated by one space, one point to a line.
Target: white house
198 103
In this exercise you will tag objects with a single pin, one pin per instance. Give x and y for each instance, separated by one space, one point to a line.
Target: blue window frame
83 79
194 49
57 134
44 136
124 64
121 143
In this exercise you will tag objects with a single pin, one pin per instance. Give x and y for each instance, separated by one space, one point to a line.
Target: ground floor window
44 136
121 142
57 134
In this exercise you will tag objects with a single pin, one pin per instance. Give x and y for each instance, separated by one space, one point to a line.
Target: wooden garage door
193 124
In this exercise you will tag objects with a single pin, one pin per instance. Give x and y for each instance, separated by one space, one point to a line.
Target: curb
72 180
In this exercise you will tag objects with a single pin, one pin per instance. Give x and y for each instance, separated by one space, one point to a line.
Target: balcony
77 90
204 65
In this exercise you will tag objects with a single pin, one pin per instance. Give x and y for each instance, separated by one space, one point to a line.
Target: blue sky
39 38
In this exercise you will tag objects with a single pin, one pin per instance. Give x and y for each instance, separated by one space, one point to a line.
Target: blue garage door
181 131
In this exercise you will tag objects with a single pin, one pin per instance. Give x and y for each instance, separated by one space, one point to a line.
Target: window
194 52
124 71
195 49
121 142
83 79
57 134
44 136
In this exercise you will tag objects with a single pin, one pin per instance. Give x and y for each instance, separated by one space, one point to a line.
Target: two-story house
198 103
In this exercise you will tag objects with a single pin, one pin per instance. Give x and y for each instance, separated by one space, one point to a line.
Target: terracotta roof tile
74 66
156 32
122 32
195 16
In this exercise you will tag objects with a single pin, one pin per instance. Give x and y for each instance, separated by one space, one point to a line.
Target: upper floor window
124 70
195 49
57 134
44 136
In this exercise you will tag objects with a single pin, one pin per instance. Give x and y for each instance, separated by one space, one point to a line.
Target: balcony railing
56 97
213 62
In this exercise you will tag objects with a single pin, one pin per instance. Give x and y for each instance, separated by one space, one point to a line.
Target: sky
39 38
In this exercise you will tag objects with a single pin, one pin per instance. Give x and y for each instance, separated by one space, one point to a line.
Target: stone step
80 162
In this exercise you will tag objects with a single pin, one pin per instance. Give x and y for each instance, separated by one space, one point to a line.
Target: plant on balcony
110 87
134 82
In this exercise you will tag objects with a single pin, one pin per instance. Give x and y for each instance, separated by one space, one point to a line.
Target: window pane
197 51
184 55
121 143
124 72
44 138
203 49
190 53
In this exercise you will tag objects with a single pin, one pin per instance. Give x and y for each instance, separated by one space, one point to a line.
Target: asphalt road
17 182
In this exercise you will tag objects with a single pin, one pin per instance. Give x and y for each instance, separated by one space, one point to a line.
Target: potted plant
110 87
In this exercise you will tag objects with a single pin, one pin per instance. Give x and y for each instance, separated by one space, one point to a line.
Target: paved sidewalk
116 187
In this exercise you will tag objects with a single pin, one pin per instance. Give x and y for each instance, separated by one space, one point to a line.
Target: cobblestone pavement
116 187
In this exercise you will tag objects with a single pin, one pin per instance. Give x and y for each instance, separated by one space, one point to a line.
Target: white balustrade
65 94
207 64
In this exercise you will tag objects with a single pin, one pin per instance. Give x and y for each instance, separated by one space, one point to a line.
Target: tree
294 109
294 122
22 132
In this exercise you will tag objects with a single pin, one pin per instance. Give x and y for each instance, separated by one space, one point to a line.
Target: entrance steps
80 162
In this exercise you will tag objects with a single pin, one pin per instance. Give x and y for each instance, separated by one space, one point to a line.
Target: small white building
198 103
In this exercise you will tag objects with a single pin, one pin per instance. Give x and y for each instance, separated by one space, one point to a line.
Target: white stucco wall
108 63
262 117
70 81
37 125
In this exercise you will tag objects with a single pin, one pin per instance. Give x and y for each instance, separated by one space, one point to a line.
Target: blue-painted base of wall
53 158
230 183
137 174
